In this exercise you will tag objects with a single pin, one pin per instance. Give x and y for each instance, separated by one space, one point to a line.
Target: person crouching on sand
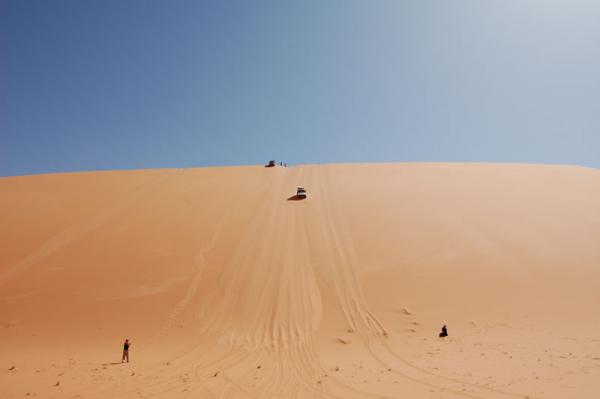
126 346
444 332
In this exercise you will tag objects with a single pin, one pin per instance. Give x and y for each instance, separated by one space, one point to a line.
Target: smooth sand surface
228 287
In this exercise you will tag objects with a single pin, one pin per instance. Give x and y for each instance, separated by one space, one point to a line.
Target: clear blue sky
88 85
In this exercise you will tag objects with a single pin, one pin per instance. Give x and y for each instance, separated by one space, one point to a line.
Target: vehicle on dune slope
301 193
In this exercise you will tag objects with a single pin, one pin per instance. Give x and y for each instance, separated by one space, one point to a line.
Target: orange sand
227 289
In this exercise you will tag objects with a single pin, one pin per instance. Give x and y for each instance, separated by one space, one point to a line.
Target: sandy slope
227 289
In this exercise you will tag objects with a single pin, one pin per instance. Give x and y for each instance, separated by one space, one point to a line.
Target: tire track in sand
342 263
296 311
200 264
483 390
287 309
264 301
355 307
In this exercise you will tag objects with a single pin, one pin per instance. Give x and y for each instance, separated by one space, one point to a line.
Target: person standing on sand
126 346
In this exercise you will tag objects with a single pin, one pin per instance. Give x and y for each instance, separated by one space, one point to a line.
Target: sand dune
229 289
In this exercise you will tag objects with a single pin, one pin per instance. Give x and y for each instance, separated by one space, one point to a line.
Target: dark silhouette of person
444 332
126 346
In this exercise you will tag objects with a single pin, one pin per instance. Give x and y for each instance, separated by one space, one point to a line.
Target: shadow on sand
113 363
295 198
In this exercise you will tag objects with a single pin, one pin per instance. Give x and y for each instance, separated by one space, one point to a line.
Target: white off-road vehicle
301 192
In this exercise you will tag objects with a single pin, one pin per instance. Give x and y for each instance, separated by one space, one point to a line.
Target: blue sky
88 85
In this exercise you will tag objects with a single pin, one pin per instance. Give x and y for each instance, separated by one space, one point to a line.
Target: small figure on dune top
126 346
444 332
